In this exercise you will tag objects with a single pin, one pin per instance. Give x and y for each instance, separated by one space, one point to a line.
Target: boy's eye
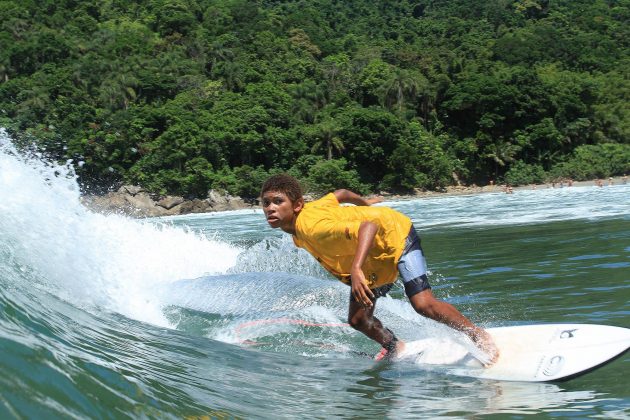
277 200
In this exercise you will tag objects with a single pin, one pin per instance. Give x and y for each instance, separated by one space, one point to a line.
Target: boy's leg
427 305
362 319
412 268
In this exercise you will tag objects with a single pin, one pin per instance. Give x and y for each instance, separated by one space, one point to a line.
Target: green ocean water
216 315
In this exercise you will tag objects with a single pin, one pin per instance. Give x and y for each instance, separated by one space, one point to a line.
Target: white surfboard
531 353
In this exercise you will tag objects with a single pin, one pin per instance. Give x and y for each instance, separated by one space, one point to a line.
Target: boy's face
280 211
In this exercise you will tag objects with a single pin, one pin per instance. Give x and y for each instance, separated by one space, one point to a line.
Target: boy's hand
374 200
360 290
347 196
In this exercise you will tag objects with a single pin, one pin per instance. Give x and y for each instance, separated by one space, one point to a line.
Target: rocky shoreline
134 201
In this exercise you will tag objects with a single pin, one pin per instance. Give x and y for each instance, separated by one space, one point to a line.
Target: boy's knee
358 321
425 306
354 321
426 311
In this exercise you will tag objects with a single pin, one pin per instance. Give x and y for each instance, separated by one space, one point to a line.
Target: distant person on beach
366 248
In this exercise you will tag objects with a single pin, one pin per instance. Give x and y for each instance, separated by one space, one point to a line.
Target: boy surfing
366 248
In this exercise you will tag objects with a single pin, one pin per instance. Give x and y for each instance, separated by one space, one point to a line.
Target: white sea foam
90 259
522 207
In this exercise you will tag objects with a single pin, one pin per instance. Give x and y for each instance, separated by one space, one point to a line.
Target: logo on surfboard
568 333
554 365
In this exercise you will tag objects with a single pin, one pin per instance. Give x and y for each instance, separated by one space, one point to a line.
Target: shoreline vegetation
186 96
136 202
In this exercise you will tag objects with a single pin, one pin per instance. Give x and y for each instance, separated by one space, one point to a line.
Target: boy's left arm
347 196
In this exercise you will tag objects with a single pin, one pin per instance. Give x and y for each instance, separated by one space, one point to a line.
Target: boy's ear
298 205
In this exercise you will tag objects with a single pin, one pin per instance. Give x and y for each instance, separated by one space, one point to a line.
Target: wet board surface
530 353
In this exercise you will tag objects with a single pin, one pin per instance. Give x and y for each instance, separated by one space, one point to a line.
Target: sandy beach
474 189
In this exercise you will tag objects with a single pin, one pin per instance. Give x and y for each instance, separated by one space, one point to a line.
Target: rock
142 205
131 189
215 198
236 203
223 202
170 201
109 203
137 202
194 206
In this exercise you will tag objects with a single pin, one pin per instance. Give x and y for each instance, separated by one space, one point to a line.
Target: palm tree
308 98
427 93
217 52
119 91
326 136
232 74
34 100
4 72
400 86
502 152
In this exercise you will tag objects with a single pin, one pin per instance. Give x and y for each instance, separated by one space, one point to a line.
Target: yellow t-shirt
330 233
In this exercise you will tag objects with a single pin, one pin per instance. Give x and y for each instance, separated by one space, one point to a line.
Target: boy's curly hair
285 184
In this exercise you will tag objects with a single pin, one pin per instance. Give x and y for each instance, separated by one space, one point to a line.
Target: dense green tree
522 173
186 95
370 136
328 175
594 161
420 161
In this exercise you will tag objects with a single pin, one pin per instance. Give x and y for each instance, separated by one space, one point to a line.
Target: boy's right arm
347 196
360 289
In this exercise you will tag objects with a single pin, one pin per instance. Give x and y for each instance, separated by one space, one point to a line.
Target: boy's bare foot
400 348
484 341
384 354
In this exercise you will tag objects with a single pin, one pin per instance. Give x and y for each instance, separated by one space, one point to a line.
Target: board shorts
412 268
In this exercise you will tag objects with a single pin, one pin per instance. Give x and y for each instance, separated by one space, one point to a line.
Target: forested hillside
181 96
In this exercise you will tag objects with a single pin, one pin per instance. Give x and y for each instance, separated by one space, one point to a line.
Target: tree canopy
181 96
